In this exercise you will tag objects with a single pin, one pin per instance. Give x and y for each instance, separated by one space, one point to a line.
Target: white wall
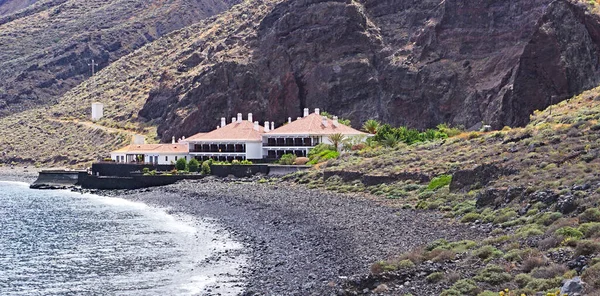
97 111
162 158
254 150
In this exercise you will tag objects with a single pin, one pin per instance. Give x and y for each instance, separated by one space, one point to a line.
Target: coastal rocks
372 180
465 180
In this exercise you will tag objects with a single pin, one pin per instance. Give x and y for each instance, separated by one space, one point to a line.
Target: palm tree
371 126
336 139
391 140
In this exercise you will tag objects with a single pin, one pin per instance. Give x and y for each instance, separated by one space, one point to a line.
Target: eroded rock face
416 63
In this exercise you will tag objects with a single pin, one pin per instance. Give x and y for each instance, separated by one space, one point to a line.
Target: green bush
435 277
205 169
146 171
318 149
287 159
324 156
548 218
592 276
193 165
569 232
487 252
466 287
439 182
246 162
493 274
590 215
590 230
470 217
181 164
438 244
523 279
405 264
587 247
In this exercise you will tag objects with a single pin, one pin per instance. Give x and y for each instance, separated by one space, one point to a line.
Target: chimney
183 138
223 122
317 111
298 118
324 121
256 126
239 119
289 120
173 140
335 121
272 125
266 126
305 112
232 119
250 117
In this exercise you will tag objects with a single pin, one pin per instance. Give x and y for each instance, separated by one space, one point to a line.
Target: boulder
572 287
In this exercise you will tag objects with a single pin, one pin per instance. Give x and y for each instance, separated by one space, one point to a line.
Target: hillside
45 49
10 6
417 65
535 191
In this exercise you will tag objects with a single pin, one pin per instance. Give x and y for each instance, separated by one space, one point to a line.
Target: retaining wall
126 169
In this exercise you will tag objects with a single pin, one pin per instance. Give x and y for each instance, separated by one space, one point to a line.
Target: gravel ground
19 174
301 241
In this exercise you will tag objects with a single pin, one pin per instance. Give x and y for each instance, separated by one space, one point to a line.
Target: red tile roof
236 132
155 148
313 125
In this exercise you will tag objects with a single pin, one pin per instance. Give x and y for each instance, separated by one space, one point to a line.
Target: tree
181 164
206 167
371 126
391 140
194 165
336 139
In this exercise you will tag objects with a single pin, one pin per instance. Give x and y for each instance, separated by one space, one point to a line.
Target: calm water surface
65 243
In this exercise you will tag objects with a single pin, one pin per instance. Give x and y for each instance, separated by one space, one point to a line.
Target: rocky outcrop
403 62
465 180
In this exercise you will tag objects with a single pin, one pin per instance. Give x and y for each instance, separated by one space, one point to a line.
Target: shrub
439 182
405 264
382 266
533 262
181 164
301 160
470 217
318 149
435 277
444 256
544 284
439 243
587 247
246 162
487 252
590 230
592 276
590 215
205 169
193 165
569 232
493 274
548 218
146 171
549 272
287 159
522 279
466 287
529 230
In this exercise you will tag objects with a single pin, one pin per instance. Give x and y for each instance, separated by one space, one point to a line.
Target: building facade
245 140
151 153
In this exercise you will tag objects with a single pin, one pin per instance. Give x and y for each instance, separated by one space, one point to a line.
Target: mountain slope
45 49
419 65
11 6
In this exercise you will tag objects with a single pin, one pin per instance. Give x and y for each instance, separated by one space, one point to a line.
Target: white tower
97 111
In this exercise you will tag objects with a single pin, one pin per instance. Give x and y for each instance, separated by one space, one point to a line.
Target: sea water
66 243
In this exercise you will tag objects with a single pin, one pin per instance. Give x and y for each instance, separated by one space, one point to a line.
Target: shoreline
299 241
303 241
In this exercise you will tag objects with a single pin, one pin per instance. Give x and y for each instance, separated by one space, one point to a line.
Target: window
185 157
166 158
175 158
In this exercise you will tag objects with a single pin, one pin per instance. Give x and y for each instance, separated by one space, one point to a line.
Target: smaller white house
151 153
97 111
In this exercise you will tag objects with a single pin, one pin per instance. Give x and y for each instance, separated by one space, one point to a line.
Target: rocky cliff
45 49
418 63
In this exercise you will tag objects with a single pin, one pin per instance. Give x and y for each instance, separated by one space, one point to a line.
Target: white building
97 111
151 153
240 139
300 136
